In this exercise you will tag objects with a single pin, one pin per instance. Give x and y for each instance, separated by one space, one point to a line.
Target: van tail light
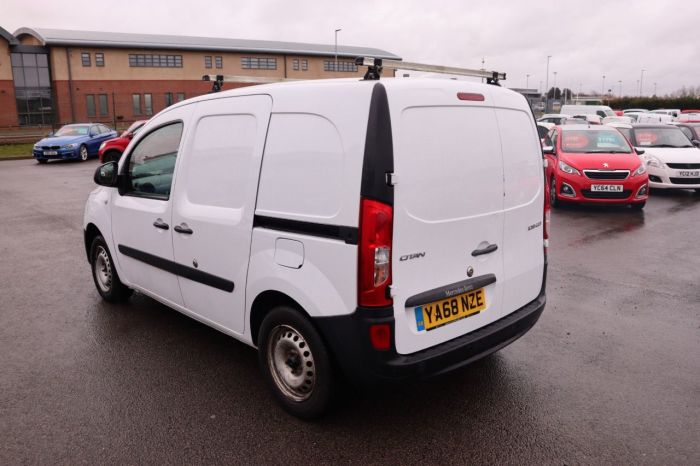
374 262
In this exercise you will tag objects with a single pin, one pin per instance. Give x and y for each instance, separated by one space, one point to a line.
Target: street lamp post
555 84
654 89
602 89
641 84
336 49
527 80
546 87
620 83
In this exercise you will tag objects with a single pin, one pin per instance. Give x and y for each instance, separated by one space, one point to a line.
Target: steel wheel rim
103 270
83 153
291 363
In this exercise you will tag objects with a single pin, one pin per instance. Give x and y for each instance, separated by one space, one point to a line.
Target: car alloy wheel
83 153
553 193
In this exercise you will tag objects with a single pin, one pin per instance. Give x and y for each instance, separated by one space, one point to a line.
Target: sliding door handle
480 252
183 228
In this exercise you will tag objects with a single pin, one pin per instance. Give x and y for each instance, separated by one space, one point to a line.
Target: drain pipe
70 86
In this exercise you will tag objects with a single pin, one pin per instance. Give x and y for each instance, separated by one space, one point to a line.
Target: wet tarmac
610 374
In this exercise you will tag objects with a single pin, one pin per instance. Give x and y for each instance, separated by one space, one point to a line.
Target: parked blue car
78 142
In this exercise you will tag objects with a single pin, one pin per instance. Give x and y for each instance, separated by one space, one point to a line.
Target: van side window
152 163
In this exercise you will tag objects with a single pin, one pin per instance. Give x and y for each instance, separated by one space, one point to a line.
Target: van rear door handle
184 229
159 223
480 252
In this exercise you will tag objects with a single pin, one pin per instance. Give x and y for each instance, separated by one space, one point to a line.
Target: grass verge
11 151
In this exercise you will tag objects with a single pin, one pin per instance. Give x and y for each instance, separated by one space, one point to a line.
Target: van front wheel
295 362
105 275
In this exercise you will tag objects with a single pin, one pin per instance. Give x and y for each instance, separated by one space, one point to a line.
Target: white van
601 110
387 229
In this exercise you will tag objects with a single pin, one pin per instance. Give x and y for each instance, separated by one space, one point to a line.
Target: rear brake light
374 261
470 96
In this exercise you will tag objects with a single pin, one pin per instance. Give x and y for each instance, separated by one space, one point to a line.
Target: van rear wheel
295 363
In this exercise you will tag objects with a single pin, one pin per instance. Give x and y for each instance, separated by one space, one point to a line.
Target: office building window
90 104
136 103
99 59
30 73
180 96
219 61
254 63
343 66
104 102
168 99
147 104
85 58
304 65
295 64
140 60
207 61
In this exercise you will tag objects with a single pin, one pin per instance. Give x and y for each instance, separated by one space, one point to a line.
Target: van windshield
594 142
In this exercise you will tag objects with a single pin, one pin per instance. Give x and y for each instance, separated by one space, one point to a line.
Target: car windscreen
594 141
660 137
73 130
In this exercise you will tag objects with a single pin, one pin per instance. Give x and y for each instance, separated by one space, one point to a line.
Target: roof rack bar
377 64
219 79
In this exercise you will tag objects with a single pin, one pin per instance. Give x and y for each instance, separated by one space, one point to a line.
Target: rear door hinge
391 179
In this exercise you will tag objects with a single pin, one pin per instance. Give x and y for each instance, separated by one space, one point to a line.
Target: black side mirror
548 150
107 174
639 151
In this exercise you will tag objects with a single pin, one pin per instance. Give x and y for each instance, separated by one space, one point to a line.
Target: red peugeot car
594 165
111 150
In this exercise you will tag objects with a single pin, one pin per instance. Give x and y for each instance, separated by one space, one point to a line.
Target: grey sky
587 39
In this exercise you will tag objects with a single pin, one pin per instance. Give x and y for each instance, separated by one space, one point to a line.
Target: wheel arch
91 232
264 303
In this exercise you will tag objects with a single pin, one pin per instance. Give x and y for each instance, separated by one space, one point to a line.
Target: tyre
295 362
111 156
638 205
42 161
83 153
553 201
105 275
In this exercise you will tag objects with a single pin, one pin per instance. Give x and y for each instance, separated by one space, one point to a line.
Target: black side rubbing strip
448 291
379 150
178 269
346 234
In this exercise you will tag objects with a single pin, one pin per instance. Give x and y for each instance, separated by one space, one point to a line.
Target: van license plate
439 313
50 152
607 188
689 173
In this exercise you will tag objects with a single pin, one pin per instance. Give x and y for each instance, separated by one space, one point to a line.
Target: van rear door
447 257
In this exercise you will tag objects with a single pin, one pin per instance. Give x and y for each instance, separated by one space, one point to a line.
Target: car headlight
69 146
639 171
654 162
567 169
37 147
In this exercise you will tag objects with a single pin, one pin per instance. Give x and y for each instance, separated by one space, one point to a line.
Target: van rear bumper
349 341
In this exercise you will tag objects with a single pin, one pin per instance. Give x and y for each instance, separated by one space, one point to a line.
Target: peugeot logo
605 165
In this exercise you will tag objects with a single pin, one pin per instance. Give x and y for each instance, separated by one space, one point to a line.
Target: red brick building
53 77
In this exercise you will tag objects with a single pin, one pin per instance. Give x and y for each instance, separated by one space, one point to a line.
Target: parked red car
594 165
112 149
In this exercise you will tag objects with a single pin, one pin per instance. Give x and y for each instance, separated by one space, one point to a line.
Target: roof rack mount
376 65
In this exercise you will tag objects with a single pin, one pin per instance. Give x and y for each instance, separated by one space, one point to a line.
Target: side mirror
106 174
639 151
696 143
548 150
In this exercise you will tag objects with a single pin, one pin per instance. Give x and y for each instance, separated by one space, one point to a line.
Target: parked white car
673 162
383 229
648 117
673 112
634 110
601 110
553 118
617 119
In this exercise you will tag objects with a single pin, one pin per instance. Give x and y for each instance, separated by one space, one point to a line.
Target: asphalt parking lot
610 374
